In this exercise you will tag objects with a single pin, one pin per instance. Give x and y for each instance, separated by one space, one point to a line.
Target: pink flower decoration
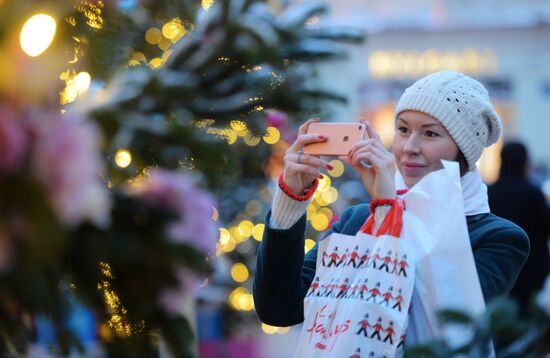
173 300
13 142
193 206
67 160
276 119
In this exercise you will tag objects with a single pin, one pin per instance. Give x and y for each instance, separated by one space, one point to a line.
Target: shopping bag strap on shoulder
392 223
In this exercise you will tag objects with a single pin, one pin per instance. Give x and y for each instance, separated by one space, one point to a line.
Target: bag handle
392 223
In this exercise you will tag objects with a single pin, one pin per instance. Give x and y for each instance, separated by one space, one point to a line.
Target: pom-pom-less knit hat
462 106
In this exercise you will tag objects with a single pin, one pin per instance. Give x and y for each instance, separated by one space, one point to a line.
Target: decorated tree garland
130 241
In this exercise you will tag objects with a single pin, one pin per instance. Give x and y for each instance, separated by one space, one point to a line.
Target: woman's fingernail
349 153
329 167
322 137
320 176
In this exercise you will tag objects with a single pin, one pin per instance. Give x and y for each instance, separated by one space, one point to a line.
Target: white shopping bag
446 276
358 301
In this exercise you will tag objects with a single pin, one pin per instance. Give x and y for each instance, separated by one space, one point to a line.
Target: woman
443 116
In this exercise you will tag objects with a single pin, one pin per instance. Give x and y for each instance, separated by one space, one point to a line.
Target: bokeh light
338 168
272 135
239 272
82 82
123 158
153 36
37 34
269 329
330 195
258 232
225 236
245 228
319 222
251 140
253 208
324 183
308 245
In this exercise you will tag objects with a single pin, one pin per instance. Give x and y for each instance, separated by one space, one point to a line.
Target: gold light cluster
163 37
76 85
235 235
118 322
92 11
238 129
273 329
318 212
241 299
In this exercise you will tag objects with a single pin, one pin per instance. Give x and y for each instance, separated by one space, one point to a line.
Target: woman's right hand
300 169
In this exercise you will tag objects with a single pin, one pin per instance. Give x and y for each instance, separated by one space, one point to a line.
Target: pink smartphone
341 137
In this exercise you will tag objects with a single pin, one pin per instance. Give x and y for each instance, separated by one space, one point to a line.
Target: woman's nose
412 145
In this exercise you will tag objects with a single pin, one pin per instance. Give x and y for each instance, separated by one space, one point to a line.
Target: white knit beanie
462 106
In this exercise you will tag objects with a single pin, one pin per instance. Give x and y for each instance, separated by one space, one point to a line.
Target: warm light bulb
37 34
123 158
82 81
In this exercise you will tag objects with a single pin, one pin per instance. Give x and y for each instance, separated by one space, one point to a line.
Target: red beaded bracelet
386 202
307 192
380 202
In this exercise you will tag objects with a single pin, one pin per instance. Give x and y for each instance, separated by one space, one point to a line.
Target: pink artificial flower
67 160
276 119
193 206
173 300
13 142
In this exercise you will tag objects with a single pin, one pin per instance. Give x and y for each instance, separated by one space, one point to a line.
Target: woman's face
419 144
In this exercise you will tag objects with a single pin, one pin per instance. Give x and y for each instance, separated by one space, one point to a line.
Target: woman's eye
432 134
402 129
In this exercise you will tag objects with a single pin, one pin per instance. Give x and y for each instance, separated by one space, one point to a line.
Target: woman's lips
412 168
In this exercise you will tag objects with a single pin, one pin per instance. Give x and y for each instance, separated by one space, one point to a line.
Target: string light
37 34
82 82
123 158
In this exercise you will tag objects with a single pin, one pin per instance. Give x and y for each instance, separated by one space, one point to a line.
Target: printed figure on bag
364 259
364 325
333 257
354 256
357 353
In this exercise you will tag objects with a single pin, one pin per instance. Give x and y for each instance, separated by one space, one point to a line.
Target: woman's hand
300 169
375 165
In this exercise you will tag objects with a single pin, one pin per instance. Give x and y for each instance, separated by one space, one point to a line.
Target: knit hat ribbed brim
463 107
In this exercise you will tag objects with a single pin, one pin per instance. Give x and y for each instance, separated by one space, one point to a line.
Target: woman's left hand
379 175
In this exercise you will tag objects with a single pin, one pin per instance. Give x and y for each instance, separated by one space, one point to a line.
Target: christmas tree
117 119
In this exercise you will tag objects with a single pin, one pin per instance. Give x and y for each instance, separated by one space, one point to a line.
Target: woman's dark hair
462 162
